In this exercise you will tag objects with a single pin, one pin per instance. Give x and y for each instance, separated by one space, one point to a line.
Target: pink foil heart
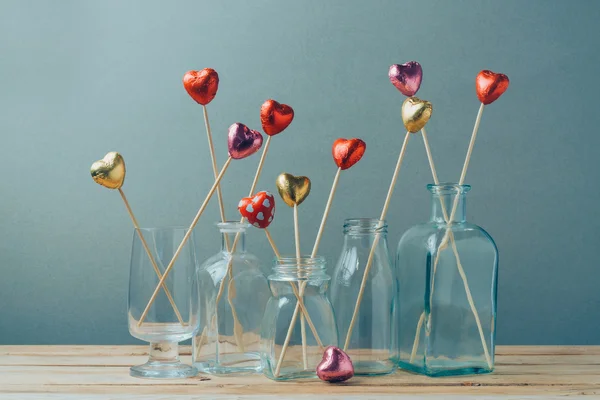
243 141
336 366
406 77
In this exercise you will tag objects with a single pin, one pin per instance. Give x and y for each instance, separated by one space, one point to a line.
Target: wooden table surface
94 372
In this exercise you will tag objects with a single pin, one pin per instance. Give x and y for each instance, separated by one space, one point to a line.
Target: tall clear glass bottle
233 293
370 342
293 349
447 272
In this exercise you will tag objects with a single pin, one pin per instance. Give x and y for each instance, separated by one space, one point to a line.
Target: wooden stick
326 213
237 236
213 158
260 166
458 263
296 293
150 256
287 340
446 237
297 232
463 174
229 271
313 255
272 243
185 239
386 205
302 286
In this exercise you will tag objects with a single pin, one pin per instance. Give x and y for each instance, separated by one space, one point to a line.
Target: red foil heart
336 366
490 86
347 152
275 117
201 85
258 210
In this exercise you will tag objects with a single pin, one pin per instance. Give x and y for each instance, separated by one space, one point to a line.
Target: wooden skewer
184 240
326 213
229 271
295 290
150 256
237 236
446 237
213 158
376 241
302 287
453 244
313 255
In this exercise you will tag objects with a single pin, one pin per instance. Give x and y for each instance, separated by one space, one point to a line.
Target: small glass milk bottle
292 348
233 293
370 342
447 273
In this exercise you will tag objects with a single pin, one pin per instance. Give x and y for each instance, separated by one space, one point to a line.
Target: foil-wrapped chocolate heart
292 189
490 86
110 171
347 152
415 114
275 117
406 77
243 141
336 366
201 85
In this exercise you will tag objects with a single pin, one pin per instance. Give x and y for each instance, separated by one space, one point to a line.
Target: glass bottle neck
229 238
233 233
358 228
448 207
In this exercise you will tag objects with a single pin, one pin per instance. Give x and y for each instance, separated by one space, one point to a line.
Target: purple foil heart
243 141
406 77
336 366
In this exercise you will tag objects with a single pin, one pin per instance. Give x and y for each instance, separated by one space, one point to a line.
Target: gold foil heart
293 189
110 171
415 113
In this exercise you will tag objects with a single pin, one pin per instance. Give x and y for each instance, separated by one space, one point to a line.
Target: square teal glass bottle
447 273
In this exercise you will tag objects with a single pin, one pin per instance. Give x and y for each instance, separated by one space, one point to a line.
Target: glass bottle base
163 370
163 363
372 368
232 364
449 370
292 375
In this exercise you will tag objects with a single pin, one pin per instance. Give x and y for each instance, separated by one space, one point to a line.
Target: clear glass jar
288 351
370 343
228 340
447 274
170 316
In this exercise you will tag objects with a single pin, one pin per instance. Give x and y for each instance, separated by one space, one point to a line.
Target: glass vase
369 345
447 274
173 316
295 337
233 296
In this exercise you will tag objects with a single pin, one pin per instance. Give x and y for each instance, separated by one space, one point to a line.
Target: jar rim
365 222
365 225
163 228
232 226
304 261
448 188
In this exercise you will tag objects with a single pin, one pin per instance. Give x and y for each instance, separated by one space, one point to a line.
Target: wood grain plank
542 371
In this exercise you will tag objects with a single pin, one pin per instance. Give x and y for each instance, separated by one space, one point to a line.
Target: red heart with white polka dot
258 210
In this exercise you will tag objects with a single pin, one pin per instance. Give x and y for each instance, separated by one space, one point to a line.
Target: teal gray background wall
81 78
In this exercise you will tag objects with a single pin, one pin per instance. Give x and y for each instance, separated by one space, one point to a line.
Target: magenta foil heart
336 366
406 77
243 141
